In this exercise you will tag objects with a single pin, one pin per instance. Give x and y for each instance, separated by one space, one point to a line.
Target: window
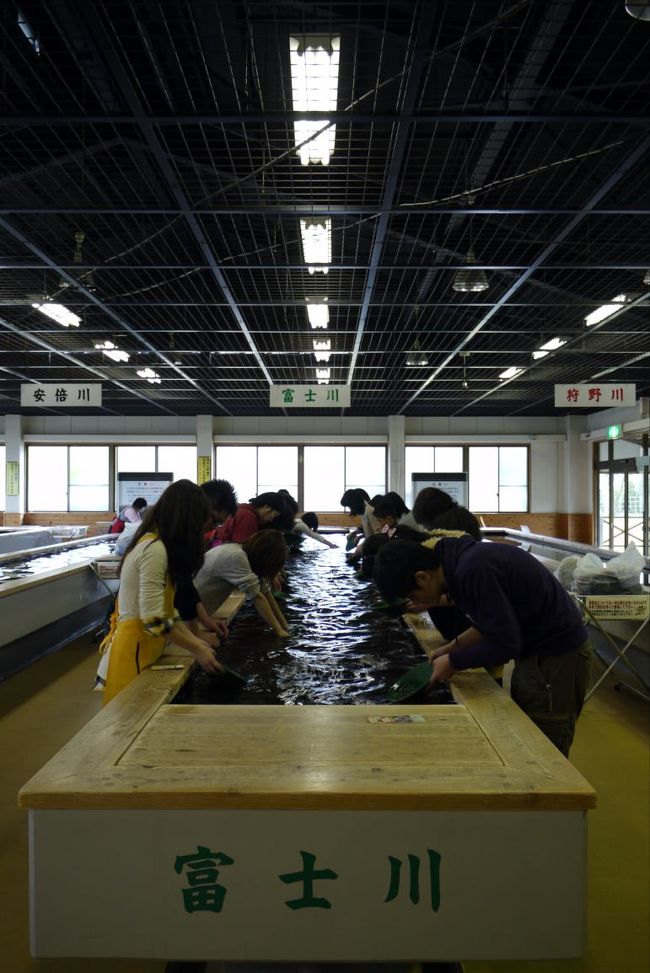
257 469
3 474
88 478
429 459
331 470
622 517
135 459
324 471
498 478
47 477
178 460
67 478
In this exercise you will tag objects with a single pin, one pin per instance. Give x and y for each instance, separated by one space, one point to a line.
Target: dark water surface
341 648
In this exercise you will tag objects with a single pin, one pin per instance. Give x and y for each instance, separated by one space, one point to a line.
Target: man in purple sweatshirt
518 611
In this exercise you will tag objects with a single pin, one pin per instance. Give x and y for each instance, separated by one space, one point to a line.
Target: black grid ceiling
163 130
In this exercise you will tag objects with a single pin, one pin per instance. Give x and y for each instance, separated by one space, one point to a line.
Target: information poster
13 478
203 469
147 485
455 484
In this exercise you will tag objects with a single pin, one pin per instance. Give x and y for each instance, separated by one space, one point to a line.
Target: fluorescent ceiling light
323 374
322 350
60 314
317 243
322 345
510 372
323 381
549 346
314 81
152 377
318 314
414 362
29 33
112 351
605 310
322 356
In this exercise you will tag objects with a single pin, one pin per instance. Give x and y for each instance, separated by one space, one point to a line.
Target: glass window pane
483 479
626 450
238 465
513 498
603 510
448 459
136 459
88 478
324 482
603 452
365 467
618 520
3 476
417 459
277 468
513 467
635 512
47 477
89 498
179 460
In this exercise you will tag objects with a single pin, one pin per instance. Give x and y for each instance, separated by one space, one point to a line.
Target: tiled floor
44 706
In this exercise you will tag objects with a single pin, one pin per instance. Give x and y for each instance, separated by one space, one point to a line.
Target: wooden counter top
140 752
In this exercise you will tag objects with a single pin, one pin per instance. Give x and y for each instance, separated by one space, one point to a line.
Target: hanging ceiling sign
309 396
594 396
52 396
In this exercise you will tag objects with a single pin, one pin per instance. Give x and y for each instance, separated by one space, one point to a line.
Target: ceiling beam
421 48
93 299
308 209
334 118
548 250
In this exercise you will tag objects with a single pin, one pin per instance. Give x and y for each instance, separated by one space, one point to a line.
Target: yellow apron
132 648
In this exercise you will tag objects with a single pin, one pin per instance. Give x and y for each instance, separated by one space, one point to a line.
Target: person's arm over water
263 605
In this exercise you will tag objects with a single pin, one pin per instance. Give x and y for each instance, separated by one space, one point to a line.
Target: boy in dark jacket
518 611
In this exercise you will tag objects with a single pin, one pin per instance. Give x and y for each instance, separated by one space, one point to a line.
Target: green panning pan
411 683
395 608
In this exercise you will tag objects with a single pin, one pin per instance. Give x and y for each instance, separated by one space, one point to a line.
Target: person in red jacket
249 517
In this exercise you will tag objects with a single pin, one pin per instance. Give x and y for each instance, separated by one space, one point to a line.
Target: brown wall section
572 527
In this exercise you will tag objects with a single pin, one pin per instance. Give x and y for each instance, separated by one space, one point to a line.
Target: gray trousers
551 690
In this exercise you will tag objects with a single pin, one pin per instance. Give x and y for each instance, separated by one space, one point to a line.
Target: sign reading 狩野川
594 396
309 396
57 396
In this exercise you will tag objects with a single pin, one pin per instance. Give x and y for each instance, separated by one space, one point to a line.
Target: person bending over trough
519 611
248 567
166 550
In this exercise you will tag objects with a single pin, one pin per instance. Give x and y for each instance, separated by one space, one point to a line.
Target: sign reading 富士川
309 396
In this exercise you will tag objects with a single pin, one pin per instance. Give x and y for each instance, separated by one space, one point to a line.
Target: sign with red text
594 396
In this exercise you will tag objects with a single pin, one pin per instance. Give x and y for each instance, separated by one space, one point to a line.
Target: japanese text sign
594 396
309 396
53 396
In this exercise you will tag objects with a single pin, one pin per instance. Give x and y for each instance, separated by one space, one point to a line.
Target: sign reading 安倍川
594 396
52 396
309 396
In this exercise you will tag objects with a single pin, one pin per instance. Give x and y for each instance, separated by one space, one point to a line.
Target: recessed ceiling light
318 312
316 243
314 82
59 313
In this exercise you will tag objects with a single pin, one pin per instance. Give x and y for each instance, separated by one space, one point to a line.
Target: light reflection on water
14 570
341 649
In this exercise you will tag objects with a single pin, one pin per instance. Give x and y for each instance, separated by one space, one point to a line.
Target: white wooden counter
308 833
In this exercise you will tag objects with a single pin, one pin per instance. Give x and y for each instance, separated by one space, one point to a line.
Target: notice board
455 484
147 485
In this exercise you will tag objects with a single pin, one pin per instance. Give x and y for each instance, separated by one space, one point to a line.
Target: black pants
551 691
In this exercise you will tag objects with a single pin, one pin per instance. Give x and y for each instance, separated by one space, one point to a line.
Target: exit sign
614 432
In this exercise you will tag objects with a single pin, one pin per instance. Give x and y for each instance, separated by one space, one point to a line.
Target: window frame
466 448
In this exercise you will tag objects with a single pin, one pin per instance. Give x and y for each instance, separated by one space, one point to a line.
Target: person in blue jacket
518 610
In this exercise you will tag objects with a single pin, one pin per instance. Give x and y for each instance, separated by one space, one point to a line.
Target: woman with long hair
166 550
